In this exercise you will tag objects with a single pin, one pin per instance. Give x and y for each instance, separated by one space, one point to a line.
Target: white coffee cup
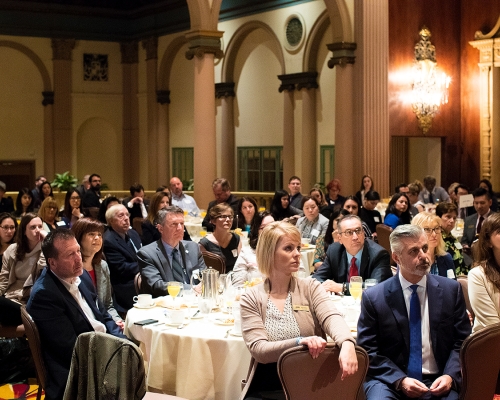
143 300
177 316
237 317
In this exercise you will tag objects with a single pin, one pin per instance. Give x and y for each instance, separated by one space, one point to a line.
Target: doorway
17 174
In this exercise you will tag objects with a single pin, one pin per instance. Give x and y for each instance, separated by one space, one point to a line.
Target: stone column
288 155
151 47
130 130
204 46
48 133
225 92
163 99
63 121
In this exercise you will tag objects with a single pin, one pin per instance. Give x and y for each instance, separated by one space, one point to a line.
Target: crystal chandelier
430 87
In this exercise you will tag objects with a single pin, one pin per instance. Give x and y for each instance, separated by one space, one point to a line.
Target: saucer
220 321
233 333
169 323
145 307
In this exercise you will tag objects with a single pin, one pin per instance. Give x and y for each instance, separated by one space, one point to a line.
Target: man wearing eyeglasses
352 256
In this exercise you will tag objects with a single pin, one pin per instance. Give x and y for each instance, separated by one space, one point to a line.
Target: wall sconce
430 87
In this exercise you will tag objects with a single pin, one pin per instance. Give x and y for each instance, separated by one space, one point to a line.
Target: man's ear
395 257
51 262
160 228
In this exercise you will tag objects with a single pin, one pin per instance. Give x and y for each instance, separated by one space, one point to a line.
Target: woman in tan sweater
284 312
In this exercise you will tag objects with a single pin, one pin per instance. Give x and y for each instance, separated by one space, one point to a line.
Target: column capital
163 96
301 80
224 89
202 42
342 53
130 52
151 46
62 48
48 98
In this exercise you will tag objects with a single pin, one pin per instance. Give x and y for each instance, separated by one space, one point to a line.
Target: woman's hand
76 212
347 359
315 344
121 324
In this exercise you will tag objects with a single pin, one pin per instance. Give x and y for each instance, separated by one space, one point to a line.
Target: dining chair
215 261
36 350
464 282
303 377
92 212
480 360
137 225
138 283
383 233
12 331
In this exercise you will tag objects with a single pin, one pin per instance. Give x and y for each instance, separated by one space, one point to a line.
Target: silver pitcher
209 279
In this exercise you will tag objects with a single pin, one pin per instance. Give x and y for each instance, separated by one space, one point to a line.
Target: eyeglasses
350 232
224 217
52 207
74 198
436 230
8 228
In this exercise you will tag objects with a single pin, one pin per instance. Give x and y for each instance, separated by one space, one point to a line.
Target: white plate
233 333
220 321
144 307
310 247
169 323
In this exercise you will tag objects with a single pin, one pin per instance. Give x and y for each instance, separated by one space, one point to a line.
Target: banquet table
196 362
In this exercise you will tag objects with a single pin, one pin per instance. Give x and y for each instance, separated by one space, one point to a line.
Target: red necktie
481 219
353 269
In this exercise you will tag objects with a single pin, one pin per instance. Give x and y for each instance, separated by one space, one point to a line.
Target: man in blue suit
412 326
63 305
170 258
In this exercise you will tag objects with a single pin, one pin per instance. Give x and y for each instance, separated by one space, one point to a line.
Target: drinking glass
188 294
205 305
174 288
356 287
370 283
203 232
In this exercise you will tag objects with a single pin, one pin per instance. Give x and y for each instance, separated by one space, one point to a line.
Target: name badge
61 223
235 252
450 274
376 219
300 308
458 245
314 232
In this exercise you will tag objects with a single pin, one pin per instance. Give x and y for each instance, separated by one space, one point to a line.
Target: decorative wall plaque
95 67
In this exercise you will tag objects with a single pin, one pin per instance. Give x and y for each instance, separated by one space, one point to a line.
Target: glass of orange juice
356 288
203 232
174 288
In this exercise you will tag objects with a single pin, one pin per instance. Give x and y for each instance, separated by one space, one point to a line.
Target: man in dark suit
412 326
120 247
63 305
170 258
92 196
352 255
473 223
6 203
136 204
222 193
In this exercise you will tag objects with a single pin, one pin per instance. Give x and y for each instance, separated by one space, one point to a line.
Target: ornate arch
313 42
342 29
47 85
204 14
234 45
167 60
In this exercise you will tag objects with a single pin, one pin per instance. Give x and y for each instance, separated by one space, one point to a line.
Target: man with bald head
182 200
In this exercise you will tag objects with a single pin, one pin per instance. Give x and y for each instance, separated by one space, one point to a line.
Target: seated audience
222 241
8 228
268 320
247 211
440 261
20 260
397 212
92 197
222 193
88 233
280 207
170 258
463 212
333 198
366 186
431 193
352 206
247 260
63 306
106 203
312 224
24 203
295 186
368 214
72 207
45 191
416 206
352 256
181 199
331 236
448 214
82 189
150 233
36 190
320 197
474 222
402 188
49 213
121 245
6 203
136 204
412 326
484 278
486 184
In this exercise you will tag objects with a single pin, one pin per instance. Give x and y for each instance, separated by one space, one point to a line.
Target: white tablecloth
196 362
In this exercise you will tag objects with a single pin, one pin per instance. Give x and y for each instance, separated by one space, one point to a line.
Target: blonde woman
49 213
440 261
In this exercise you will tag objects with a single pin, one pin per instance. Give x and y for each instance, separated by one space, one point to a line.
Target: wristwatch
297 342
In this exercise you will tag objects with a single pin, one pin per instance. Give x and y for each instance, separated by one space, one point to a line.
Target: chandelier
430 87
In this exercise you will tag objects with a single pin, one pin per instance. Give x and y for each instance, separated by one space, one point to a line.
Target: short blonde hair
268 241
48 202
424 219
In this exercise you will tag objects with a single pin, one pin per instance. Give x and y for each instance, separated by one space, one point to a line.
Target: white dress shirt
187 203
429 365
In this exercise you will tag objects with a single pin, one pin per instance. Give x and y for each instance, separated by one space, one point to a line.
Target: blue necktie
415 361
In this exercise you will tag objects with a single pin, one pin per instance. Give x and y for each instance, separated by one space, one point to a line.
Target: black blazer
60 320
375 263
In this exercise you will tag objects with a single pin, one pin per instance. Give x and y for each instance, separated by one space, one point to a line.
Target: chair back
303 377
215 261
92 212
36 349
464 282
12 331
138 283
383 233
137 225
480 360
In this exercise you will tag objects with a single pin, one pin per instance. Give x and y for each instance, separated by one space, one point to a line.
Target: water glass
205 305
370 283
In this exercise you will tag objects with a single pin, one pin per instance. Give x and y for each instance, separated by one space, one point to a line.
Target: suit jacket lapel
396 301
123 244
164 262
186 260
343 268
434 300
365 259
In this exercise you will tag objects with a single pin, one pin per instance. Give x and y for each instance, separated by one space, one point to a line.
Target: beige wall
424 158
